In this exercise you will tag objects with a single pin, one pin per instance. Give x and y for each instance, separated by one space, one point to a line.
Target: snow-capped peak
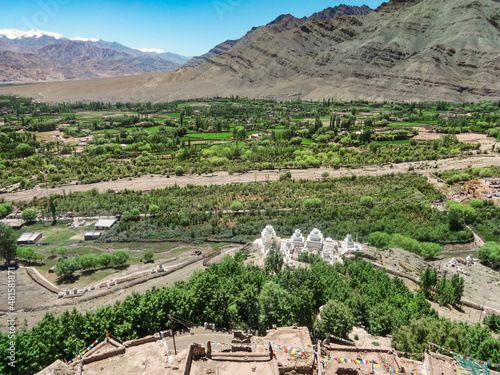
154 50
85 39
18 34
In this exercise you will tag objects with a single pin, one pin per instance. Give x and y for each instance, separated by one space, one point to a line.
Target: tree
274 305
237 206
66 267
489 252
274 260
28 215
88 261
430 250
26 253
335 319
492 322
23 149
179 171
62 251
148 256
312 203
366 201
428 280
455 289
52 205
380 240
105 260
119 258
154 210
8 243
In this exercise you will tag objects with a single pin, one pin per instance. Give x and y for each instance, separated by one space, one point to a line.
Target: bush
380 240
148 256
119 258
179 171
311 203
236 206
366 201
28 215
490 253
285 176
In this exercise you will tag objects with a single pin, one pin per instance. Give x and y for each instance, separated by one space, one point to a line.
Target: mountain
406 50
339 11
43 56
281 23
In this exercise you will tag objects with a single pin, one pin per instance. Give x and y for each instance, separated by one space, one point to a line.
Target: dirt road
146 183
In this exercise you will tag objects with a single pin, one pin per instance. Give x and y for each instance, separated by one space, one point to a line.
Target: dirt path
146 183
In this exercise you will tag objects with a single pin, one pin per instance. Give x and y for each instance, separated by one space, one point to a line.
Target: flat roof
92 233
28 236
105 222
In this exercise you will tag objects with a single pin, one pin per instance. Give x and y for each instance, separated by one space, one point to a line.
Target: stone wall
142 340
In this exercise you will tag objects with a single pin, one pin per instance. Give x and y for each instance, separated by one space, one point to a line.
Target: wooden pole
173 334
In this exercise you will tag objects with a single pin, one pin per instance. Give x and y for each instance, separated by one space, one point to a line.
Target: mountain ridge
281 23
46 56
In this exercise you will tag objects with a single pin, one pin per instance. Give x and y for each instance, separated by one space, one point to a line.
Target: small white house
104 224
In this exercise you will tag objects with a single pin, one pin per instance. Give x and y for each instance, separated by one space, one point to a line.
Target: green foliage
492 322
473 340
274 305
380 240
179 170
274 259
62 251
148 256
490 253
235 296
154 210
119 258
366 201
8 243
336 319
286 176
383 241
449 292
29 215
476 203
237 206
430 250
428 280
105 260
29 254
66 267
311 203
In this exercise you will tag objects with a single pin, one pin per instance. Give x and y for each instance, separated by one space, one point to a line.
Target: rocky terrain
413 50
282 23
42 56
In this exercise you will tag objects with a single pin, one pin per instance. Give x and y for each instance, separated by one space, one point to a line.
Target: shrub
179 171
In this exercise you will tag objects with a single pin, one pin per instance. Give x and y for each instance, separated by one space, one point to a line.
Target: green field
398 142
223 135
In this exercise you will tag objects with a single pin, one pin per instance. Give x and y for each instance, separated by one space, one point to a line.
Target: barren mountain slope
405 50
282 23
429 49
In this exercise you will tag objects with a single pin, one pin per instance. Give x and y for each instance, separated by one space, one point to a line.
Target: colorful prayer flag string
465 357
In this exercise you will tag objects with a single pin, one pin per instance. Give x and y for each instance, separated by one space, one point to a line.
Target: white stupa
347 245
287 247
297 238
315 240
268 237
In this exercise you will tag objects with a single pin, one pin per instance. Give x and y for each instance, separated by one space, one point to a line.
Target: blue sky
188 28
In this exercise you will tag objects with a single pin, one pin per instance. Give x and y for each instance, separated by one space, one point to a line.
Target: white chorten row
330 250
